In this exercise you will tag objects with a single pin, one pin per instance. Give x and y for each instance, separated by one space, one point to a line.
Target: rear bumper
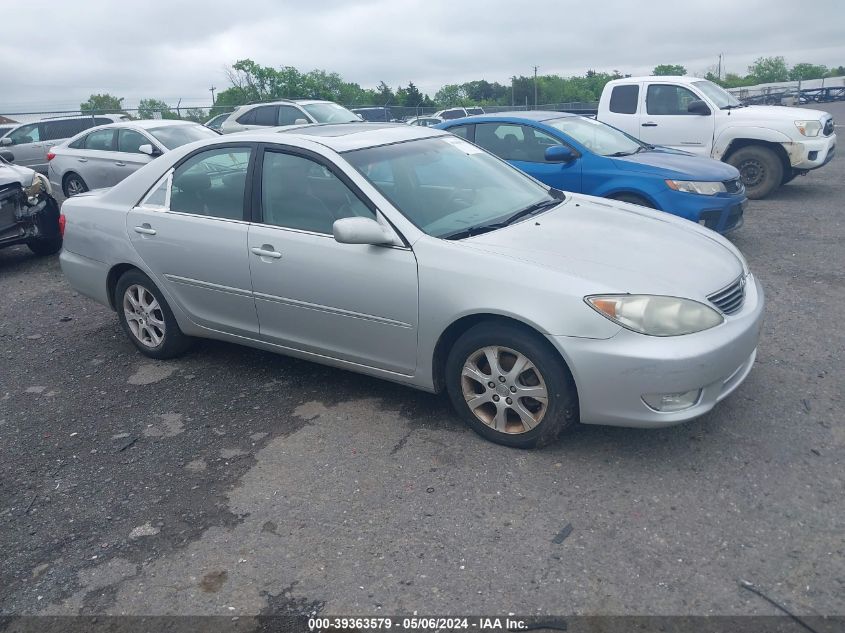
85 275
612 375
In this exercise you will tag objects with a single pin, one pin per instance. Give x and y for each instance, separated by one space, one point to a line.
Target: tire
154 330
633 199
73 185
760 169
45 246
545 372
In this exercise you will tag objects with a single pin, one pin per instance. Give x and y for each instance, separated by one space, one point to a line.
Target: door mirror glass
698 107
559 154
300 121
149 150
361 231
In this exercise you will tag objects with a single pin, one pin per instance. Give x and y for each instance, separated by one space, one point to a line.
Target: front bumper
812 153
613 374
722 213
22 222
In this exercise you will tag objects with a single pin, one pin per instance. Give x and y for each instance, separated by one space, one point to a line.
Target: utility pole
719 72
211 90
535 87
513 95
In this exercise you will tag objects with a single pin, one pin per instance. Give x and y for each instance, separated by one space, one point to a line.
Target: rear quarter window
623 99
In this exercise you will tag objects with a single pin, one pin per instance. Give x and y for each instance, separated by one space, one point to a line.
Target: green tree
450 94
103 104
669 69
807 71
839 71
154 109
768 70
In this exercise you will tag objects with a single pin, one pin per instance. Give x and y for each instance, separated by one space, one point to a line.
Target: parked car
286 112
215 122
30 142
457 113
424 121
28 212
770 145
377 114
578 154
104 156
410 254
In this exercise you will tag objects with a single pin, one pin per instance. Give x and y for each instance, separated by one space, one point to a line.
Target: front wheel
760 169
45 246
146 318
510 386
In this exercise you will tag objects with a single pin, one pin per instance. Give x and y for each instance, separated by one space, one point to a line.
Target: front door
665 120
348 301
128 158
191 232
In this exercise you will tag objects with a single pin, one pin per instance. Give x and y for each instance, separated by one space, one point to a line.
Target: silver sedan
105 155
412 255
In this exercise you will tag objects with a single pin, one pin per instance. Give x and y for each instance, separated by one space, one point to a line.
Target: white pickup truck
770 145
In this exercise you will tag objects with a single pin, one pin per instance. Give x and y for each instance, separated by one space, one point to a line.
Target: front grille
828 127
733 186
729 300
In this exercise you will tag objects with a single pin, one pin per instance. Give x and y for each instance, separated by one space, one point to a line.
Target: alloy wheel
74 187
504 389
144 315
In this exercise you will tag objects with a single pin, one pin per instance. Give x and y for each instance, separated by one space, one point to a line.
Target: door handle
120 163
266 250
649 124
145 229
82 160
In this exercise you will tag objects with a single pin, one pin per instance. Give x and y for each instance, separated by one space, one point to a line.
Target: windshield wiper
731 106
486 228
618 154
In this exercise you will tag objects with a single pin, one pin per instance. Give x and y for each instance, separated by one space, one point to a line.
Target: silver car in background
103 156
409 254
284 113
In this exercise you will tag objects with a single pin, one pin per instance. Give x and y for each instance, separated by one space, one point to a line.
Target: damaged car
29 214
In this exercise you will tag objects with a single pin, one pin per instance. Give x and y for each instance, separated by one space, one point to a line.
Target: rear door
28 146
665 120
95 164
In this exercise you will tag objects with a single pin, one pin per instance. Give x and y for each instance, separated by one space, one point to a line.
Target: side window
100 120
460 130
457 113
668 100
157 197
78 143
26 134
298 193
265 115
505 140
130 140
248 118
212 183
623 99
102 140
288 115
53 130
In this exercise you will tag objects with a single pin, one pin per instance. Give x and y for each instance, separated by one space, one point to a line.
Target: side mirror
361 231
301 122
559 154
5 141
7 156
698 107
149 150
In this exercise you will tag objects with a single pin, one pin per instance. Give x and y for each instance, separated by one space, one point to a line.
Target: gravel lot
233 481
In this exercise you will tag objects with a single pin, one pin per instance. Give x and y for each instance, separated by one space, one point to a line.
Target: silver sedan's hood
620 248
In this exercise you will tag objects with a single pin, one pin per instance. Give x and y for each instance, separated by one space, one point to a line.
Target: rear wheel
633 199
760 169
146 318
73 185
509 386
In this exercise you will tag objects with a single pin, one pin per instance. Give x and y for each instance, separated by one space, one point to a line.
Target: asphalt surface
233 481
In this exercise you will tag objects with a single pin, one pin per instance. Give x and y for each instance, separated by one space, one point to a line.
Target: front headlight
656 315
809 128
693 186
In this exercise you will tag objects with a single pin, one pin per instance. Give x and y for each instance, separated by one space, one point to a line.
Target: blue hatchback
575 153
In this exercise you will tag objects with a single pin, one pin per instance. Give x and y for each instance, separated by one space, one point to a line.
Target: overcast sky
54 54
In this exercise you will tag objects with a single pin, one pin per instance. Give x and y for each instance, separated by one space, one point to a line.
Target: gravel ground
233 481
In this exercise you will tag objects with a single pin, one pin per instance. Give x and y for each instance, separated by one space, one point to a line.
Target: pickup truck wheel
760 169
45 246
146 318
73 185
510 386
633 199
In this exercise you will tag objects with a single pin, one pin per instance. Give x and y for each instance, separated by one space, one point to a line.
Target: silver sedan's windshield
330 113
448 187
718 95
596 136
172 136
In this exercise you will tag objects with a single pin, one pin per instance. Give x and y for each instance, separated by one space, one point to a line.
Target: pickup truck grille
828 127
729 300
733 186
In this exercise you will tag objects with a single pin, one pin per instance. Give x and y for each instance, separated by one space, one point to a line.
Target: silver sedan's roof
345 137
147 124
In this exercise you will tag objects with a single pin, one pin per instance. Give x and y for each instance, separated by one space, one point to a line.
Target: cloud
172 50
